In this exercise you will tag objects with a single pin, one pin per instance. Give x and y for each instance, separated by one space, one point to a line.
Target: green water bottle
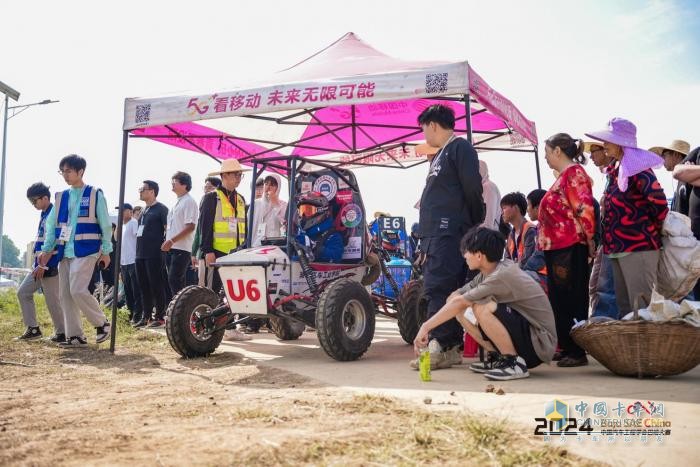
424 365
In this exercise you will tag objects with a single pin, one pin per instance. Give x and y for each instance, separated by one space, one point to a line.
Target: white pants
74 277
25 296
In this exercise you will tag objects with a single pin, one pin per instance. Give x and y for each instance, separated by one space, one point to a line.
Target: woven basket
641 348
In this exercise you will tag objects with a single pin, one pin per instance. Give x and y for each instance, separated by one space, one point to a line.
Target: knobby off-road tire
412 310
345 320
286 329
179 326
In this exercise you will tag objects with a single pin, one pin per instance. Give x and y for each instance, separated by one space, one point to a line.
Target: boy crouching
502 308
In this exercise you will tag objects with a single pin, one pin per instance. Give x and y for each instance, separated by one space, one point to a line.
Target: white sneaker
236 335
102 332
507 368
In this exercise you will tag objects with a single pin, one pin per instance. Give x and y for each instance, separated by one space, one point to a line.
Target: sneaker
57 338
486 365
568 362
102 332
235 335
31 334
508 367
156 323
440 359
73 342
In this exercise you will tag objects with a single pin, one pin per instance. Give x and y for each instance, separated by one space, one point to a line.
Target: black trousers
444 271
177 262
132 291
568 274
150 275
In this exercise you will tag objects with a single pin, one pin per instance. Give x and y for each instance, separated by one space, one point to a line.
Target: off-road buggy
280 281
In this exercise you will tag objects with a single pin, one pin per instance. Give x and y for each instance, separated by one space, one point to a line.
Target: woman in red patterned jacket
635 207
567 225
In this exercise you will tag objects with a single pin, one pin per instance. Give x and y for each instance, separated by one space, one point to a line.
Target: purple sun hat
635 160
620 131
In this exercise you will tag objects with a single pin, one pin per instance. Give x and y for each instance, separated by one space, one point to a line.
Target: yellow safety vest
229 227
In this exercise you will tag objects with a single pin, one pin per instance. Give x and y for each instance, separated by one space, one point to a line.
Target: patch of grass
11 324
385 431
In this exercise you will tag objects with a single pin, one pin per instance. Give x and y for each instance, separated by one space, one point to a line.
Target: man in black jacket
451 204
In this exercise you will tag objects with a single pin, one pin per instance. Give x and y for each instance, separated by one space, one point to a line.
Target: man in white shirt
182 220
128 264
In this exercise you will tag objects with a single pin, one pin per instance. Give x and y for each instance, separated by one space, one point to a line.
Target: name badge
261 230
66 230
233 226
139 232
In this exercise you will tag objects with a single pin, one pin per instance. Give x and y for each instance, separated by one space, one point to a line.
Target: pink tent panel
396 122
200 138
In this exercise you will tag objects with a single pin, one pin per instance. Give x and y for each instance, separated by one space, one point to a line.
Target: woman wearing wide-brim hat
634 206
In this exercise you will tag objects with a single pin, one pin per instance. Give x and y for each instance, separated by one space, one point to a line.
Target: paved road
384 370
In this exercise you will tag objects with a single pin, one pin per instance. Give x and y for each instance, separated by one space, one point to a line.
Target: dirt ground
146 406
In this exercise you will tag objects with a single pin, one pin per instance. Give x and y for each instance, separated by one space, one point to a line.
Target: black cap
125 206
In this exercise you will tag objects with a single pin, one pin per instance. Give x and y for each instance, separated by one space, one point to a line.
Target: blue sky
568 65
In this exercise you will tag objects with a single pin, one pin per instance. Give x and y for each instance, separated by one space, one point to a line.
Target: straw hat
229 165
677 145
587 145
378 214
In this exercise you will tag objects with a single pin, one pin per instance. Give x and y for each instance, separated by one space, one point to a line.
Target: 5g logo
247 289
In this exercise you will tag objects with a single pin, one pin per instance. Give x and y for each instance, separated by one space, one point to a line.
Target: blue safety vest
39 242
88 236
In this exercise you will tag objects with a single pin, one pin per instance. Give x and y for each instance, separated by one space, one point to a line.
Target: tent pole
291 208
537 167
251 210
354 129
118 253
468 117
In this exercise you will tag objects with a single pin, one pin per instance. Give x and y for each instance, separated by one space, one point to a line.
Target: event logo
556 412
325 184
351 215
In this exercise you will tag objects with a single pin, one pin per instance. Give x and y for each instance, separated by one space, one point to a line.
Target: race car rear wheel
345 320
412 310
186 334
286 329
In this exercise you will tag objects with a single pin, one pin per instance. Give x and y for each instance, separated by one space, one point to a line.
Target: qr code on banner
435 82
143 113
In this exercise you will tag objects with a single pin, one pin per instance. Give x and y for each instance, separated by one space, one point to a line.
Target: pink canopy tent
347 105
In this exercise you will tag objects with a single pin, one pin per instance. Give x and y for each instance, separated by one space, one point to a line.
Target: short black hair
73 161
515 199
440 114
488 242
272 180
152 185
259 182
535 197
38 190
216 181
184 179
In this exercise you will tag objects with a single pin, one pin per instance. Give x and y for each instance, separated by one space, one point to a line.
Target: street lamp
17 109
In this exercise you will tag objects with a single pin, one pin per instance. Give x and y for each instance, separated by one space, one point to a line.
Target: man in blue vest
80 229
44 277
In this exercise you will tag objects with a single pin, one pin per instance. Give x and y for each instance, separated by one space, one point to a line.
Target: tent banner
499 105
430 82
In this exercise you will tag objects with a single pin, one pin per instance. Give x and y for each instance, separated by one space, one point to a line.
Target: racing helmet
313 209
390 240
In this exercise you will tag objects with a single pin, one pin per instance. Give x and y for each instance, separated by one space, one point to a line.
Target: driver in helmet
316 228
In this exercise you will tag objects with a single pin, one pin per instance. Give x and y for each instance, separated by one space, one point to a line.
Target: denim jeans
603 289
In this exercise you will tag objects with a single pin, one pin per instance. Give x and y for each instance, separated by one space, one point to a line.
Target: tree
10 253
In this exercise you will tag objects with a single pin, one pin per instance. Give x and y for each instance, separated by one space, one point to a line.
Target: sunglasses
235 174
142 189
